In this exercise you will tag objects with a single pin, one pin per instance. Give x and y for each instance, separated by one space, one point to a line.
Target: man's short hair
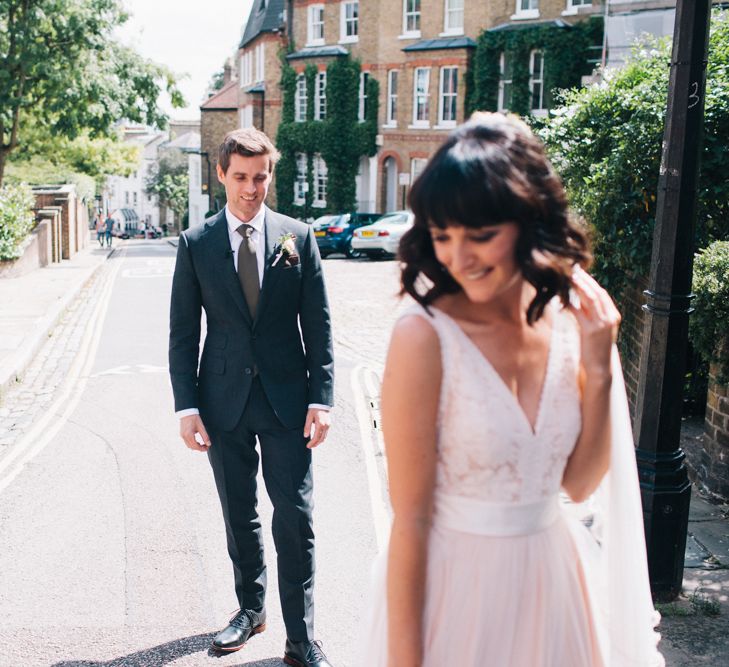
248 142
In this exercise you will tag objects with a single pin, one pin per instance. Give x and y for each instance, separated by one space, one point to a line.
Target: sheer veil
615 552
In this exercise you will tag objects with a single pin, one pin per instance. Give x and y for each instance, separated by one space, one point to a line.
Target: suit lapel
222 262
273 230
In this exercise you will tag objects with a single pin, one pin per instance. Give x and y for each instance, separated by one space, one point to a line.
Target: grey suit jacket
289 342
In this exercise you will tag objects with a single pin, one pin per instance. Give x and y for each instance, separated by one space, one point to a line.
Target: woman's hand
599 321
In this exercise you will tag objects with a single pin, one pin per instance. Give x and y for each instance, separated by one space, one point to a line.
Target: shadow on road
167 653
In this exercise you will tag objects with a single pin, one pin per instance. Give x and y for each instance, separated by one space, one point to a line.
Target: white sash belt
470 515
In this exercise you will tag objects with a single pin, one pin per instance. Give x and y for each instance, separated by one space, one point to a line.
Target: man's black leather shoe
305 654
239 630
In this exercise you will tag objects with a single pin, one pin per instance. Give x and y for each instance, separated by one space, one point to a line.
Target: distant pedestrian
100 229
108 227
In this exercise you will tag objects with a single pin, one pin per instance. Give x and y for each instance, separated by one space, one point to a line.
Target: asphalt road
113 550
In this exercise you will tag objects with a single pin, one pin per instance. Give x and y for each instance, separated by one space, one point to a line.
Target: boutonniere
286 249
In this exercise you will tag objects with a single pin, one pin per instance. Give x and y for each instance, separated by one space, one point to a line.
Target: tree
169 181
60 64
217 81
84 156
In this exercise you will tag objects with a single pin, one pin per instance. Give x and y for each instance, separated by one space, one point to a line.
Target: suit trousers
288 478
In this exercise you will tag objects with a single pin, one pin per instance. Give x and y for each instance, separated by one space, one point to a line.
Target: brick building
218 115
419 51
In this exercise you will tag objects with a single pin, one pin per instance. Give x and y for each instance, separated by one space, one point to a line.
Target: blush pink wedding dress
514 577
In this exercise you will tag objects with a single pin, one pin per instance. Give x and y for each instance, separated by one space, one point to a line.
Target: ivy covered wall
341 139
567 52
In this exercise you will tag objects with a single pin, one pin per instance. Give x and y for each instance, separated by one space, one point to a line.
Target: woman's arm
598 320
410 396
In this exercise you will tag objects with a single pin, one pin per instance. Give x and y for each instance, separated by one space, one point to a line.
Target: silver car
382 238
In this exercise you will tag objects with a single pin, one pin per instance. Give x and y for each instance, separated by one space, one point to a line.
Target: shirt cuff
319 406
187 412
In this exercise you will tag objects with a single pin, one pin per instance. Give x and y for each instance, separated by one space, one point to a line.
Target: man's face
246 184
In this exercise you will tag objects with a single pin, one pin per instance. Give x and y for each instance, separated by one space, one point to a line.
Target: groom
266 373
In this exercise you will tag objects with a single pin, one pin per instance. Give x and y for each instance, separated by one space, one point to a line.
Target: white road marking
132 370
148 272
364 388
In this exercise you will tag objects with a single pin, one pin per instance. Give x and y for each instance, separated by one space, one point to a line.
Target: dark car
334 232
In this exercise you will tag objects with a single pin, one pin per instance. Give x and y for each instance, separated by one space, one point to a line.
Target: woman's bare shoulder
417 329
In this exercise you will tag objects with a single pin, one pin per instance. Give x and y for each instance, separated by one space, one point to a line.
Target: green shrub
16 219
605 140
709 324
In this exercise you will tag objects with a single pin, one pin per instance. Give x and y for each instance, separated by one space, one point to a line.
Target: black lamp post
665 487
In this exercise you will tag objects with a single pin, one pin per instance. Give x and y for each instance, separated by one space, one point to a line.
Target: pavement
32 305
695 628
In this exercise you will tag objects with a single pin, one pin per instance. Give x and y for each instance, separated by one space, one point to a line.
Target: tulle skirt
499 601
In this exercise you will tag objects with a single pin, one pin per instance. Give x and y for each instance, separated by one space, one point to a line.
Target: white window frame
320 182
391 111
315 29
442 95
413 16
573 6
300 99
260 63
301 180
415 172
536 78
449 29
344 20
246 69
362 107
320 95
531 11
503 81
246 116
425 95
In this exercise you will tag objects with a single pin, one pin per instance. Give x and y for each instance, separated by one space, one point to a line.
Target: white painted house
124 196
197 202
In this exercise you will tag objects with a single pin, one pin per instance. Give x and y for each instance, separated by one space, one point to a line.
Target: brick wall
34 253
707 456
713 469
74 223
214 125
631 337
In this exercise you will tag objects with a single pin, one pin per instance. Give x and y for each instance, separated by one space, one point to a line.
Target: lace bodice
487 449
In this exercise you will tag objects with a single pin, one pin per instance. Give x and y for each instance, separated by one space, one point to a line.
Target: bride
502 389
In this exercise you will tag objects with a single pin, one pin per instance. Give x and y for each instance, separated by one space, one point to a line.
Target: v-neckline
535 429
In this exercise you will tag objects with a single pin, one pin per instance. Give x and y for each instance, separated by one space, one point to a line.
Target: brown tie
248 268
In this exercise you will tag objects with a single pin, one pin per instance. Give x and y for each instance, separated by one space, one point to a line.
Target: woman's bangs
456 191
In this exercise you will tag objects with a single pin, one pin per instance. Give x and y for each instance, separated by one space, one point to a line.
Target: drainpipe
605 16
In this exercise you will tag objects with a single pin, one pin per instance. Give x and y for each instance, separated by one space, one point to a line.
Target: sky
192 38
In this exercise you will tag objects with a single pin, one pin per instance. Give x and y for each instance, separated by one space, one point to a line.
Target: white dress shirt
259 238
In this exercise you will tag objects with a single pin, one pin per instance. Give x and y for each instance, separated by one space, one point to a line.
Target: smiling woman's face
481 260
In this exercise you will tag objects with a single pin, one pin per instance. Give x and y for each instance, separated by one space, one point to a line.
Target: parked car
333 233
382 238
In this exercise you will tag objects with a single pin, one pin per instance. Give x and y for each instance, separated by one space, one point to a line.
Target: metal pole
665 487
605 17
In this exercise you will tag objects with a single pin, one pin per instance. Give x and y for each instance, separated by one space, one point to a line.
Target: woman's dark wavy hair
492 170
